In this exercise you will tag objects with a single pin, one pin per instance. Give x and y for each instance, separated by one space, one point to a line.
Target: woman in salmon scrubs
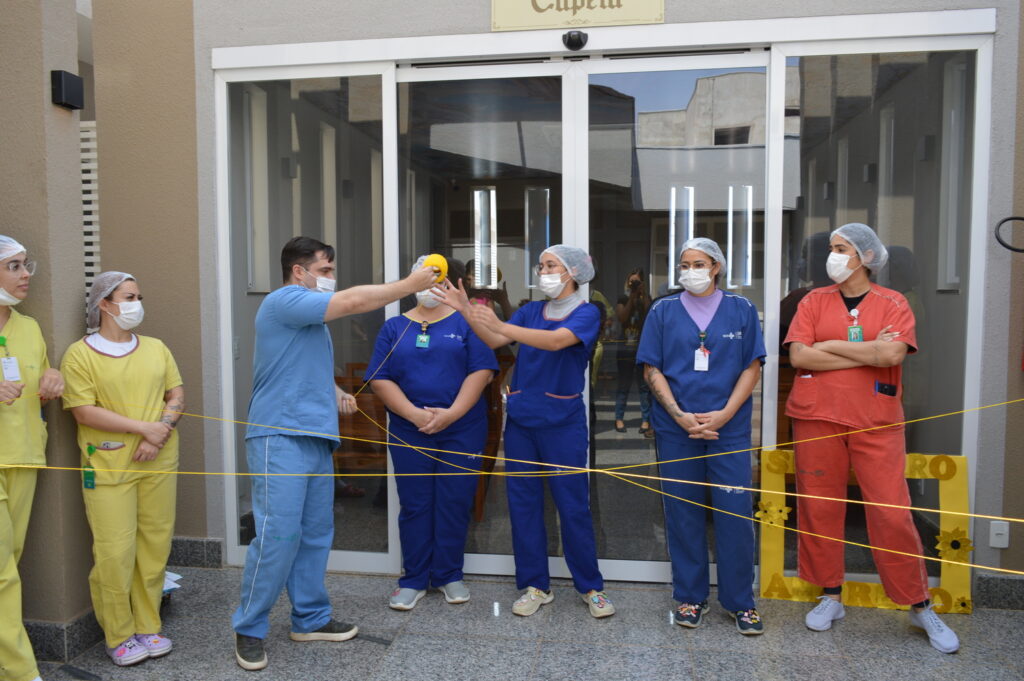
848 342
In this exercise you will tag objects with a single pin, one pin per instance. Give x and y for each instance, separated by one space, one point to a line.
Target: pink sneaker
128 653
155 644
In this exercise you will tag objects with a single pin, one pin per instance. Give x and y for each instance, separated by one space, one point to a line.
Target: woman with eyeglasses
702 352
126 394
547 424
26 383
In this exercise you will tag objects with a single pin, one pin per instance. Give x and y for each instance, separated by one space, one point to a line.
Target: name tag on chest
701 359
10 369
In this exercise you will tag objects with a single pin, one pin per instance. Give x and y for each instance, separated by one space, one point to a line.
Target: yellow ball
438 262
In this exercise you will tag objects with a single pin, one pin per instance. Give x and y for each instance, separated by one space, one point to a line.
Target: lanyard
703 335
3 344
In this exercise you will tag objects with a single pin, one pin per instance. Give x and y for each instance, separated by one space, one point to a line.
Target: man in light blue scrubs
293 416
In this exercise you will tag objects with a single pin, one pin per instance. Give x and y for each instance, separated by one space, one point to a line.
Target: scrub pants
434 518
132 524
563 445
294 517
17 488
878 458
685 522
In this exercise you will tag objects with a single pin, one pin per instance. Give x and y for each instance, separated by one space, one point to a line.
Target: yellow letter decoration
952 543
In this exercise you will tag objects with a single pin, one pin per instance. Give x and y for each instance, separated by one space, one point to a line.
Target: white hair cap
9 247
418 265
102 286
576 261
873 254
706 246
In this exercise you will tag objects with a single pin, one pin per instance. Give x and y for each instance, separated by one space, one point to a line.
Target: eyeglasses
16 266
698 265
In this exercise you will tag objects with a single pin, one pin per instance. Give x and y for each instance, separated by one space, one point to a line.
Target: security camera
574 40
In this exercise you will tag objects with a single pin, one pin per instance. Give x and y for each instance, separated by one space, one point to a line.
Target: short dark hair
302 250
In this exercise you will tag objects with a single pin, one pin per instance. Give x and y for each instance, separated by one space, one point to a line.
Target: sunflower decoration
772 514
962 604
954 545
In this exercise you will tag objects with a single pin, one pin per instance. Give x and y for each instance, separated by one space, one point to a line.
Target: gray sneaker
940 636
825 612
455 592
405 599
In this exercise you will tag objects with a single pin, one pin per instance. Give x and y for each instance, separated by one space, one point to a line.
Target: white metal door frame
923 31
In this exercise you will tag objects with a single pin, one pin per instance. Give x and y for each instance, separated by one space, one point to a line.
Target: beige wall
1013 475
42 209
143 58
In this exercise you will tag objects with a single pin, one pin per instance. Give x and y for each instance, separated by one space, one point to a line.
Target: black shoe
332 631
749 622
620 429
249 652
689 615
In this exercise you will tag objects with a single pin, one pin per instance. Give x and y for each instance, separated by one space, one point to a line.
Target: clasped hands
703 426
155 435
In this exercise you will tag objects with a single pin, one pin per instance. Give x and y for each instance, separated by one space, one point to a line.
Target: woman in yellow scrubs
26 381
126 394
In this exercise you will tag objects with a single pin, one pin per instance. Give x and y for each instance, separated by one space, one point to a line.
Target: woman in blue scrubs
430 370
547 423
702 352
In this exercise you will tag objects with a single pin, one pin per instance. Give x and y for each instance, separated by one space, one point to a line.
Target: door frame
769 41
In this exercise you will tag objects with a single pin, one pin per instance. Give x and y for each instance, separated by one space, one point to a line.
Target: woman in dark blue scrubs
702 352
430 370
547 423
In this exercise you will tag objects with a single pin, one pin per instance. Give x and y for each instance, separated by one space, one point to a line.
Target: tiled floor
479 641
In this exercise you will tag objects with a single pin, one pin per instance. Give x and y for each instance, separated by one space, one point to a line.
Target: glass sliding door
675 152
306 159
886 139
481 159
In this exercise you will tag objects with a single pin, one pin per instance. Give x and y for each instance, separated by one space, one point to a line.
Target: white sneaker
531 600
940 636
827 611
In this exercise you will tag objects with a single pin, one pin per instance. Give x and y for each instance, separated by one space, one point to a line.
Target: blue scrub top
431 376
669 340
544 379
293 367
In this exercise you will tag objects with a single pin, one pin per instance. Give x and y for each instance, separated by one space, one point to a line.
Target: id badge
88 477
700 359
10 369
423 340
855 334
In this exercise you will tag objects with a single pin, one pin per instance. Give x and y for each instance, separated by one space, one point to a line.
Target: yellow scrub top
23 430
134 386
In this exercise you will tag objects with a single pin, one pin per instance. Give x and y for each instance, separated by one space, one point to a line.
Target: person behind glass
430 370
126 394
702 352
547 423
290 442
631 311
848 342
26 382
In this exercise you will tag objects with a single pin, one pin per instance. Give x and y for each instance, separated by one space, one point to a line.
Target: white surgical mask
551 285
695 281
837 269
131 314
324 284
427 300
7 299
